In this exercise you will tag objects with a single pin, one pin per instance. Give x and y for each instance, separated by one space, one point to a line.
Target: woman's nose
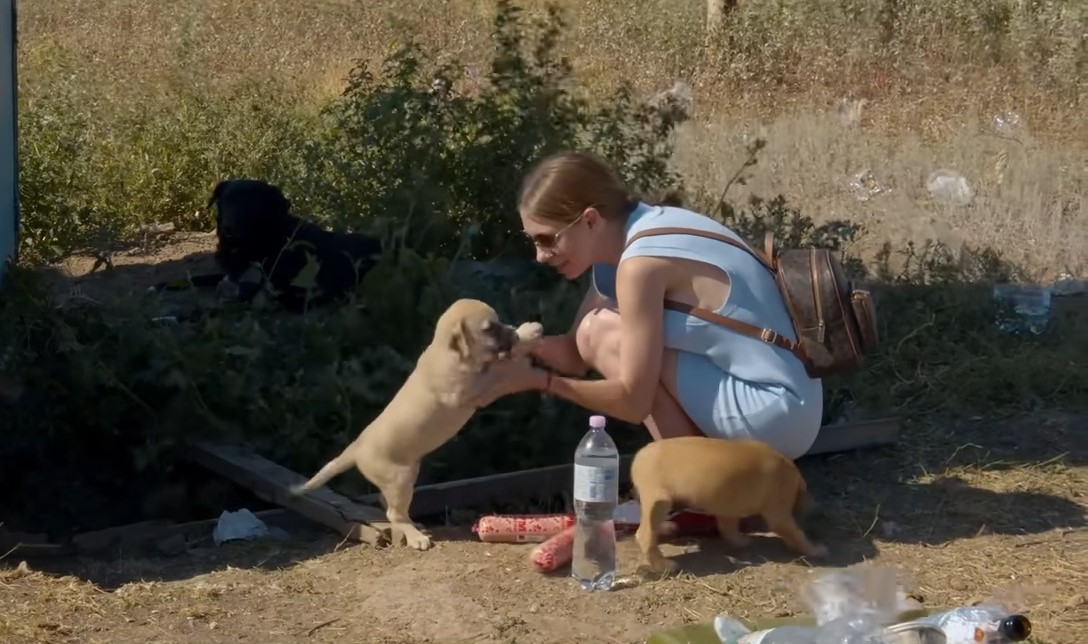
542 256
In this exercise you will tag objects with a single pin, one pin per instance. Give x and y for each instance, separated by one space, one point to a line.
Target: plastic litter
988 623
1007 123
863 186
242 525
850 606
951 187
1030 307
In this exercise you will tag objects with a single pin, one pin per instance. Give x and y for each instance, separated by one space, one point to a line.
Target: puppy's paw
817 551
656 568
530 331
415 539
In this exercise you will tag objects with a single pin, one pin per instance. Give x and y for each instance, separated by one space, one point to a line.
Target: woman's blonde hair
561 186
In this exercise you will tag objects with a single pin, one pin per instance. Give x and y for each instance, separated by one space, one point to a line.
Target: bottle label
596 484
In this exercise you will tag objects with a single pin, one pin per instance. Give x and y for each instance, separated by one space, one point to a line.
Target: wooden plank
272 482
127 536
848 437
549 481
24 545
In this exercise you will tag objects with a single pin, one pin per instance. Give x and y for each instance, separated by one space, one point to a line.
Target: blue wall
9 193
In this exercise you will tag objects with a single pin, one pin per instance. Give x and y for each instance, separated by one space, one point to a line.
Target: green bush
435 160
435 173
113 389
88 184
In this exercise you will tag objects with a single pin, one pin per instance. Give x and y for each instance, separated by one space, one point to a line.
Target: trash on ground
243 524
1029 304
863 186
866 605
1007 123
1066 285
951 187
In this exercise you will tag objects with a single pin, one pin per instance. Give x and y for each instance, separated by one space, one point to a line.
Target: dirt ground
1000 516
980 509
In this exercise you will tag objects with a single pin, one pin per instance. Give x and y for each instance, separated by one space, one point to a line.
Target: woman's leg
598 339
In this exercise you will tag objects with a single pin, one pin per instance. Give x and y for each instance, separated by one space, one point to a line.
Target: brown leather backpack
834 322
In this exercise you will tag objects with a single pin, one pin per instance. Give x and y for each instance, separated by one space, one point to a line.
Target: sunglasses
548 242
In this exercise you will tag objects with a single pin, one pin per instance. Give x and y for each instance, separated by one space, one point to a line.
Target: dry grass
961 520
961 523
934 74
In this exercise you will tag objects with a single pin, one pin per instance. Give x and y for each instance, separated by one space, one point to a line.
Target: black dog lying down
261 243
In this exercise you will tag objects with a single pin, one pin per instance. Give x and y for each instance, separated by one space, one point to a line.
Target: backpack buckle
769 336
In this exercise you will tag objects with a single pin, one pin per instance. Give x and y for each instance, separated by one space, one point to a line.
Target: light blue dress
729 384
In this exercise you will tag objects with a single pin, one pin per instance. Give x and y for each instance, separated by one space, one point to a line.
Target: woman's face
568 248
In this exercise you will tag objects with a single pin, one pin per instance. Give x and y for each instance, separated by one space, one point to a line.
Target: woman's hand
510 376
560 354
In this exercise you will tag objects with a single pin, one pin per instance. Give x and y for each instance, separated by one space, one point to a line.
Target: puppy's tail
335 467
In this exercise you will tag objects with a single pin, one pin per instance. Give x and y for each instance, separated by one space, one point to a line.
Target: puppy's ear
461 340
217 193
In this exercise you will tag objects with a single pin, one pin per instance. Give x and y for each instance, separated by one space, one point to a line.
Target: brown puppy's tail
336 466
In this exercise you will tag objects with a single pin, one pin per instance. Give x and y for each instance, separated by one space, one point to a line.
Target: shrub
434 171
89 185
112 390
433 158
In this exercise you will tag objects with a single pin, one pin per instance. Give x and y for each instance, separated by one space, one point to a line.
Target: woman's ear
592 217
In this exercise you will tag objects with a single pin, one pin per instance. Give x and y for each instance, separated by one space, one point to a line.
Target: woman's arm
560 352
640 289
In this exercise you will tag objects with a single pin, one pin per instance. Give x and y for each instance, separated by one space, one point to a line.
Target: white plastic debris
950 187
1067 285
1007 123
863 186
240 524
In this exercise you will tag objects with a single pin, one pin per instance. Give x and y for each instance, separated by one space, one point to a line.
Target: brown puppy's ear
461 340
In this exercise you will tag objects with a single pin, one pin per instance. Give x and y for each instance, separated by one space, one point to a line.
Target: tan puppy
430 408
730 479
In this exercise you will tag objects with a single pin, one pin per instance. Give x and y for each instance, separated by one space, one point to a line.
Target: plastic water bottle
777 635
984 623
596 495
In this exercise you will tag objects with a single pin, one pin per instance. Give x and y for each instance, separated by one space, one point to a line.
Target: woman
677 373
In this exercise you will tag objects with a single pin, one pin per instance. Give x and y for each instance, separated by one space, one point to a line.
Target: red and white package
557 551
521 528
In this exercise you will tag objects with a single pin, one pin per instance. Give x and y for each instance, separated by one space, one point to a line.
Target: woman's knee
598 340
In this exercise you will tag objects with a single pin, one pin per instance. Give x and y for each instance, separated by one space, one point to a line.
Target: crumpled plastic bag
242 524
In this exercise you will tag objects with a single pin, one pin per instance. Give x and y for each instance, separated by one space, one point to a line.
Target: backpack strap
763 258
769 336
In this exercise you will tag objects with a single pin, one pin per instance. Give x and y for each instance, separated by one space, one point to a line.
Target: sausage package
557 551
521 528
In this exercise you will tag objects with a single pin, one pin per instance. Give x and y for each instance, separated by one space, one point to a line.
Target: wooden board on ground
549 481
272 482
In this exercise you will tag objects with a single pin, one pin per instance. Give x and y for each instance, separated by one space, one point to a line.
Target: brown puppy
730 479
429 409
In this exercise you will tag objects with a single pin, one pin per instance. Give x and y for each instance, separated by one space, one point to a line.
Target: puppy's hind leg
397 489
782 522
729 529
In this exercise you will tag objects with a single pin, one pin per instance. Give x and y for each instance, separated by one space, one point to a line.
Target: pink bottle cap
597 422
